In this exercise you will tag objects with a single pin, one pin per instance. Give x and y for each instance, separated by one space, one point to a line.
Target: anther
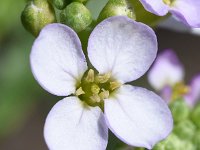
115 85
79 91
95 98
104 94
90 76
168 2
103 78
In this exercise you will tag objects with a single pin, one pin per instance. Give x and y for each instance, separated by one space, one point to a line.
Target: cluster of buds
186 132
73 13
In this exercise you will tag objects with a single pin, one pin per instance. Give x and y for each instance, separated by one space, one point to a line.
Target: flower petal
73 126
194 95
138 117
57 60
157 7
166 71
166 93
187 11
123 47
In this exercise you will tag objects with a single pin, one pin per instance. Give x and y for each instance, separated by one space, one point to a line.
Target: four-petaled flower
167 77
121 50
187 11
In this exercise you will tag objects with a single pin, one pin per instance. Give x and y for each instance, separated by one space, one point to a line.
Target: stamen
104 94
95 98
95 89
103 78
90 76
179 90
167 2
115 85
79 91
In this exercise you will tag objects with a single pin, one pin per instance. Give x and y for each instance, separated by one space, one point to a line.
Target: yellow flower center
94 88
168 2
179 90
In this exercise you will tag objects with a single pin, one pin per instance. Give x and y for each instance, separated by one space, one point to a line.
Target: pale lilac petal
123 47
166 93
57 59
138 117
71 125
187 11
157 7
194 95
166 71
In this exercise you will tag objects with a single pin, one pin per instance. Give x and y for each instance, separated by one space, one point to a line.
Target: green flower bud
60 4
36 15
195 116
185 130
172 142
180 110
81 1
116 8
197 139
188 145
77 16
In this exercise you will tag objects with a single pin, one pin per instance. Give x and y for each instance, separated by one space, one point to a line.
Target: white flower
121 50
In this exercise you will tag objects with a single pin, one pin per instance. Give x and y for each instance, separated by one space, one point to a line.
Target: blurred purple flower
166 93
167 72
187 11
119 46
193 96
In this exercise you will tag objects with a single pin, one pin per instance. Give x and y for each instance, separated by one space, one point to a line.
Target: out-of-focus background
24 105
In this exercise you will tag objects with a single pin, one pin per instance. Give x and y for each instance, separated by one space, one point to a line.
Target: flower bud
197 139
188 145
81 1
180 110
185 130
116 8
172 142
77 16
36 15
60 4
195 116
